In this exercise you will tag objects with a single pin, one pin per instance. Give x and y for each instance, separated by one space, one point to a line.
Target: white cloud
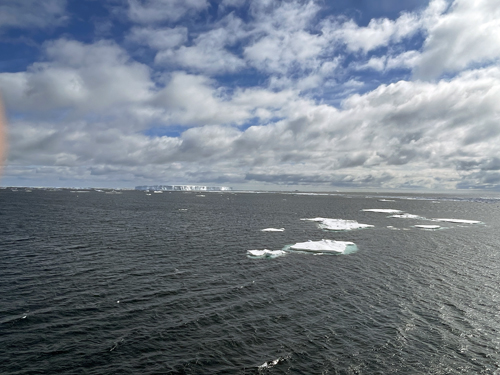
78 76
159 39
468 33
152 11
32 14
379 33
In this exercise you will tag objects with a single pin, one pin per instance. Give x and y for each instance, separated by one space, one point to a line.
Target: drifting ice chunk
460 221
265 253
386 200
325 246
273 230
338 224
407 216
422 226
383 210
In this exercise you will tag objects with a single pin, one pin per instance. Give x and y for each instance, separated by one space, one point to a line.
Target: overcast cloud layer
252 94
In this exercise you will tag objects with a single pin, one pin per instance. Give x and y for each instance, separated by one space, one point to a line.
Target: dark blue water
95 283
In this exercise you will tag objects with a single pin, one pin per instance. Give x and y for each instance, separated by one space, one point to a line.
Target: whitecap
265 253
338 224
383 210
325 246
273 230
459 221
273 363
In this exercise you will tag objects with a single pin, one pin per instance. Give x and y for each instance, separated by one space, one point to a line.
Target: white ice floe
273 230
386 200
424 226
383 210
407 216
265 253
338 224
459 221
325 246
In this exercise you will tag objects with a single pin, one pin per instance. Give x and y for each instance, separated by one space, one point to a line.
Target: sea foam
325 246
338 224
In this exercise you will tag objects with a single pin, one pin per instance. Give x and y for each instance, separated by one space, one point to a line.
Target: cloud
159 39
78 77
467 34
154 11
32 14
379 33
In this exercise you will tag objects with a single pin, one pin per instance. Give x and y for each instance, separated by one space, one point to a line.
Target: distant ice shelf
338 224
183 188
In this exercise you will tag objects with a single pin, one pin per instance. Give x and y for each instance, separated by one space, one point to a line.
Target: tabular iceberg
273 230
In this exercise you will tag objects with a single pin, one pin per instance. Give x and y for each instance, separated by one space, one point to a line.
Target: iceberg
423 226
265 253
459 221
338 224
383 210
325 246
386 200
273 230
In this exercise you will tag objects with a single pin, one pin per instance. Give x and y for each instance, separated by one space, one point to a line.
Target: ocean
97 283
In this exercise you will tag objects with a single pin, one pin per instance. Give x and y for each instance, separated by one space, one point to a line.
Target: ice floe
325 246
459 221
386 200
407 216
265 253
338 224
383 210
424 226
273 230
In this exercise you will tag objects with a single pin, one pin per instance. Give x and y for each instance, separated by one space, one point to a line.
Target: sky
260 94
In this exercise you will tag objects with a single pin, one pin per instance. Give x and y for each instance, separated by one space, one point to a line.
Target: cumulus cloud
468 33
153 11
32 14
84 110
77 76
379 32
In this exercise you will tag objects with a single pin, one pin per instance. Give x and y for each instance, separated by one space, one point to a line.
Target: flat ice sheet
325 246
459 221
273 230
383 210
265 253
338 224
424 226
